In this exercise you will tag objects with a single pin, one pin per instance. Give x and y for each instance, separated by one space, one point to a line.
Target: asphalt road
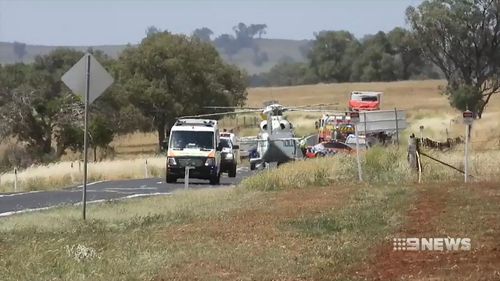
15 203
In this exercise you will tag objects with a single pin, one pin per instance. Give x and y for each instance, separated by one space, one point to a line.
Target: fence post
358 160
186 176
15 179
412 152
466 160
397 126
364 116
419 162
146 169
244 121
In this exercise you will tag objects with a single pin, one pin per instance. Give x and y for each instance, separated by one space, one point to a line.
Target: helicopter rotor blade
313 105
220 114
230 107
318 110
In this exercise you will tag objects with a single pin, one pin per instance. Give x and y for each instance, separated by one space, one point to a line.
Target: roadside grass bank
307 220
386 166
380 166
64 174
440 211
313 233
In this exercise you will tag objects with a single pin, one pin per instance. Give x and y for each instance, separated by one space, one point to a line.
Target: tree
332 55
289 74
100 133
168 76
404 46
257 29
19 50
151 30
36 104
227 43
375 60
203 34
463 39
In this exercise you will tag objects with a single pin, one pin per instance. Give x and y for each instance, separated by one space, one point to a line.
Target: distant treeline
338 56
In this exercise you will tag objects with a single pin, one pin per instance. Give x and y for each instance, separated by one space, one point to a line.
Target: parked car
229 161
325 149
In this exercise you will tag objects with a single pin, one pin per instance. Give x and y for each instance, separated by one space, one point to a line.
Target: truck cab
364 101
194 143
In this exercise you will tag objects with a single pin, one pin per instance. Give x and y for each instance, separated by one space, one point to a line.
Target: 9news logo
431 244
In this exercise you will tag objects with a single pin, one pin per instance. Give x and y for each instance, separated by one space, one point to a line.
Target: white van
194 143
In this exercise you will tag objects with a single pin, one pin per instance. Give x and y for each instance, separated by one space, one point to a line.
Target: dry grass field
421 99
308 220
303 221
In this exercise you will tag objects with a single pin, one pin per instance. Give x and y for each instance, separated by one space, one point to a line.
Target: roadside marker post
421 133
15 179
146 169
355 120
468 120
88 79
186 176
397 126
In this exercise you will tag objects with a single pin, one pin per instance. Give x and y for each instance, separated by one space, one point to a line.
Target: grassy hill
276 50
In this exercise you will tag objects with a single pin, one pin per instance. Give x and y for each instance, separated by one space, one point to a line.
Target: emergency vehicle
194 143
334 127
229 154
364 101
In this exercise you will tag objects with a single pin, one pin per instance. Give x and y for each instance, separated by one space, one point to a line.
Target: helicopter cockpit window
282 126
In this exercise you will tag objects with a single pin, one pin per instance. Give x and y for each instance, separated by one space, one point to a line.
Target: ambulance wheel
252 166
232 172
215 180
170 179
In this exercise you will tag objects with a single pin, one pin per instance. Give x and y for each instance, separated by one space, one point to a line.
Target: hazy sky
78 22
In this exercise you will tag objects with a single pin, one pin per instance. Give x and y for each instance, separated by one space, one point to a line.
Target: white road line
31 192
20 193
126 188
6 214
92 183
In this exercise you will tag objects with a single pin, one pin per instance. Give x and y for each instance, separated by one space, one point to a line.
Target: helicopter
276 141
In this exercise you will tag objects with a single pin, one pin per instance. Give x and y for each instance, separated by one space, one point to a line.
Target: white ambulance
194 143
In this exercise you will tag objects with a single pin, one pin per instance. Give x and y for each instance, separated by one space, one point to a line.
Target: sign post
355 120
186 176
88 79
468 119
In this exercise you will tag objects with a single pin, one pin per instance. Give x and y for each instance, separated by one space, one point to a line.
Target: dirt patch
261 220
428 219
256 230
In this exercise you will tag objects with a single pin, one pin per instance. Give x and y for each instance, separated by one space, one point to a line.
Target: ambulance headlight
210 161
229 156
171 161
